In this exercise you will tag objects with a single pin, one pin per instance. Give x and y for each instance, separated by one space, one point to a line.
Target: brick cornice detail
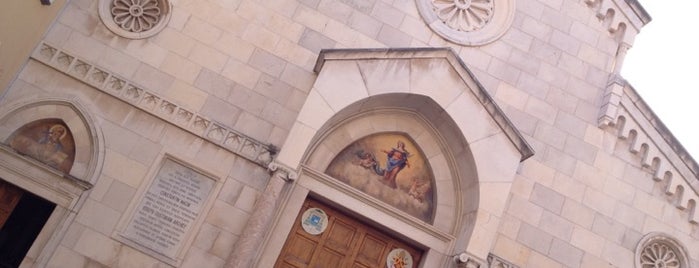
659 152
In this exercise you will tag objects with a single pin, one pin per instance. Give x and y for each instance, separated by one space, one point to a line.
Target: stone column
249 243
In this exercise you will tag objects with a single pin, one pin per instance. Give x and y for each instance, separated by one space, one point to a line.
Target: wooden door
346 242
9 197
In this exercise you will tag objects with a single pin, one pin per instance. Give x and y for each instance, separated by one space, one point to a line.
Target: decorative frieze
150 102
659 152
497 262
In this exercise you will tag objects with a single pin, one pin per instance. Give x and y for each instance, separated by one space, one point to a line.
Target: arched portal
429 97
51 153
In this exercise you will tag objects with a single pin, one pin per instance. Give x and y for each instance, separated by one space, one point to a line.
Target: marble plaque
169 208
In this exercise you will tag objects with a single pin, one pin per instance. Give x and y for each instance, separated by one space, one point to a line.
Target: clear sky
662 67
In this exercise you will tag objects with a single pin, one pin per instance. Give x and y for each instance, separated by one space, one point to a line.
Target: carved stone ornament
468 22
657 250
135 19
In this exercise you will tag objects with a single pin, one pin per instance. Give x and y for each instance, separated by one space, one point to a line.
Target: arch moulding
67 191
361 87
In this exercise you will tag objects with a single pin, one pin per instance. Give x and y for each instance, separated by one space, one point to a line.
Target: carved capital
465 260
282 171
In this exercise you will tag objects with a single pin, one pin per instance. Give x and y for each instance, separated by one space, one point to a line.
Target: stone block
364 24
520 208
153 79
393 37
146 52
78 19
64 257
201 31
541 110
260 37
504 71
609 228
118 197
311 18
114 167
540 260
556 19
547 198
234 46
512 96
129 257
526 62
562 162
557 226
588 241
511 250
267 63
551 135
98 216
197 258
241 73
208 57
118 62
584 151
181 68
182 93
98 247
534 238
174 41
568 187
295 54
563 252
591 261
337 10
223 245
617 255
227 217
298 77
579 214
387 14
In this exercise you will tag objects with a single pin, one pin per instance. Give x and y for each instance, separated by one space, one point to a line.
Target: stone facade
542 155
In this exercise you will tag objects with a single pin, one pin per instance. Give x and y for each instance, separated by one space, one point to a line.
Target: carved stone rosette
658 250
468 22
135 19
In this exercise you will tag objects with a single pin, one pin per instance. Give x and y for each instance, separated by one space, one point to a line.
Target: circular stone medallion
135 19
468 22
399 258
314 221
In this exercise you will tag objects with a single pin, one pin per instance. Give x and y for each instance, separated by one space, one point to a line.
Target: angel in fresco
396 160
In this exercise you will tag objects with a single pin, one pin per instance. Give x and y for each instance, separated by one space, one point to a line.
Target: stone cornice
619 15
459 66
146 100
659 151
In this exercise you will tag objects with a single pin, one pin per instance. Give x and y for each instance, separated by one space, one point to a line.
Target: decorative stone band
497 262
144 99
658 150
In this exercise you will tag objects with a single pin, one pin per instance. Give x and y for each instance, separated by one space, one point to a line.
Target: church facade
335 133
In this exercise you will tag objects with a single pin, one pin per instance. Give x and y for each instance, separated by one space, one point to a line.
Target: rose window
658 250
657 255
468 22
464 15
136 15
135 19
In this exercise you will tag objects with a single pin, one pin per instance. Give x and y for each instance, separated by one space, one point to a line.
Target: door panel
346 242
9 197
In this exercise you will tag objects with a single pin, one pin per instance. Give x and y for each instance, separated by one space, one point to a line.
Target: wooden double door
346 242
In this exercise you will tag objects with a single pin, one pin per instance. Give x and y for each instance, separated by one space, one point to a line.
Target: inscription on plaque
169 208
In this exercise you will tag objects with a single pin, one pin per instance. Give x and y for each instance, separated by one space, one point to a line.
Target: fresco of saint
390 167
48 141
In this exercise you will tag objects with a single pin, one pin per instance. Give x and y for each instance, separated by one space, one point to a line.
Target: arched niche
88 140
430 96
25 123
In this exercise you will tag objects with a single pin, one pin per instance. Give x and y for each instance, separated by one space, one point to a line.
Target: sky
661 66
